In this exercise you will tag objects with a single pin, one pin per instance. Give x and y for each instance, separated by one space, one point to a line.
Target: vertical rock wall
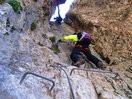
23 50
109 22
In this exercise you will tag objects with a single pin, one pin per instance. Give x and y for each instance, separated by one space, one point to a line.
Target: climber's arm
74 38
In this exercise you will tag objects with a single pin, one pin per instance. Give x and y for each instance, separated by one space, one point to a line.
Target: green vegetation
55 46
2 1
16 5
52 39
55 49
33 26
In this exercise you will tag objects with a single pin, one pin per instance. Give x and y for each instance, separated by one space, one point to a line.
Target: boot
101 65
79 62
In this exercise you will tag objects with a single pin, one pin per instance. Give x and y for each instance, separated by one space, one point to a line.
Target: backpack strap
85 35
82 37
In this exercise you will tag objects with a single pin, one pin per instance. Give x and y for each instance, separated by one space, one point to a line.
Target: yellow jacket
73 38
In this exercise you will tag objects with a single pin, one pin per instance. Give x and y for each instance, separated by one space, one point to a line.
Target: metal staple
25 74
94 70
73 96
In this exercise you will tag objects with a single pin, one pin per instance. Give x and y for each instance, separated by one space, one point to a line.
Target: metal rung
94 70
70 86
25 74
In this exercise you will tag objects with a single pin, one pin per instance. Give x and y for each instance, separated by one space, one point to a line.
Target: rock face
109 22
23 50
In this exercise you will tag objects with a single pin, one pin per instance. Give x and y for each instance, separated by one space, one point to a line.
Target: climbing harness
60 68
25 74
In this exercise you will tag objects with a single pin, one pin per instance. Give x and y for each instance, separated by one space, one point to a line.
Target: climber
82 41
58 19
59 1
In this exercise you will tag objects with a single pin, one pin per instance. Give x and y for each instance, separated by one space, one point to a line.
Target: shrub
2 1
55 50
53 39
16 5
33 26
55 46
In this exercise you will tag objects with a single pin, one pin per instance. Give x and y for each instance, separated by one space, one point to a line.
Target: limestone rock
22 50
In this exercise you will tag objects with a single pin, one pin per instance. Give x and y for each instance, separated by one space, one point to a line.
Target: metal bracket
94 70
60 68
68 82
25 74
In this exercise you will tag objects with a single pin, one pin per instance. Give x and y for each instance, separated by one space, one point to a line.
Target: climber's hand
59 41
